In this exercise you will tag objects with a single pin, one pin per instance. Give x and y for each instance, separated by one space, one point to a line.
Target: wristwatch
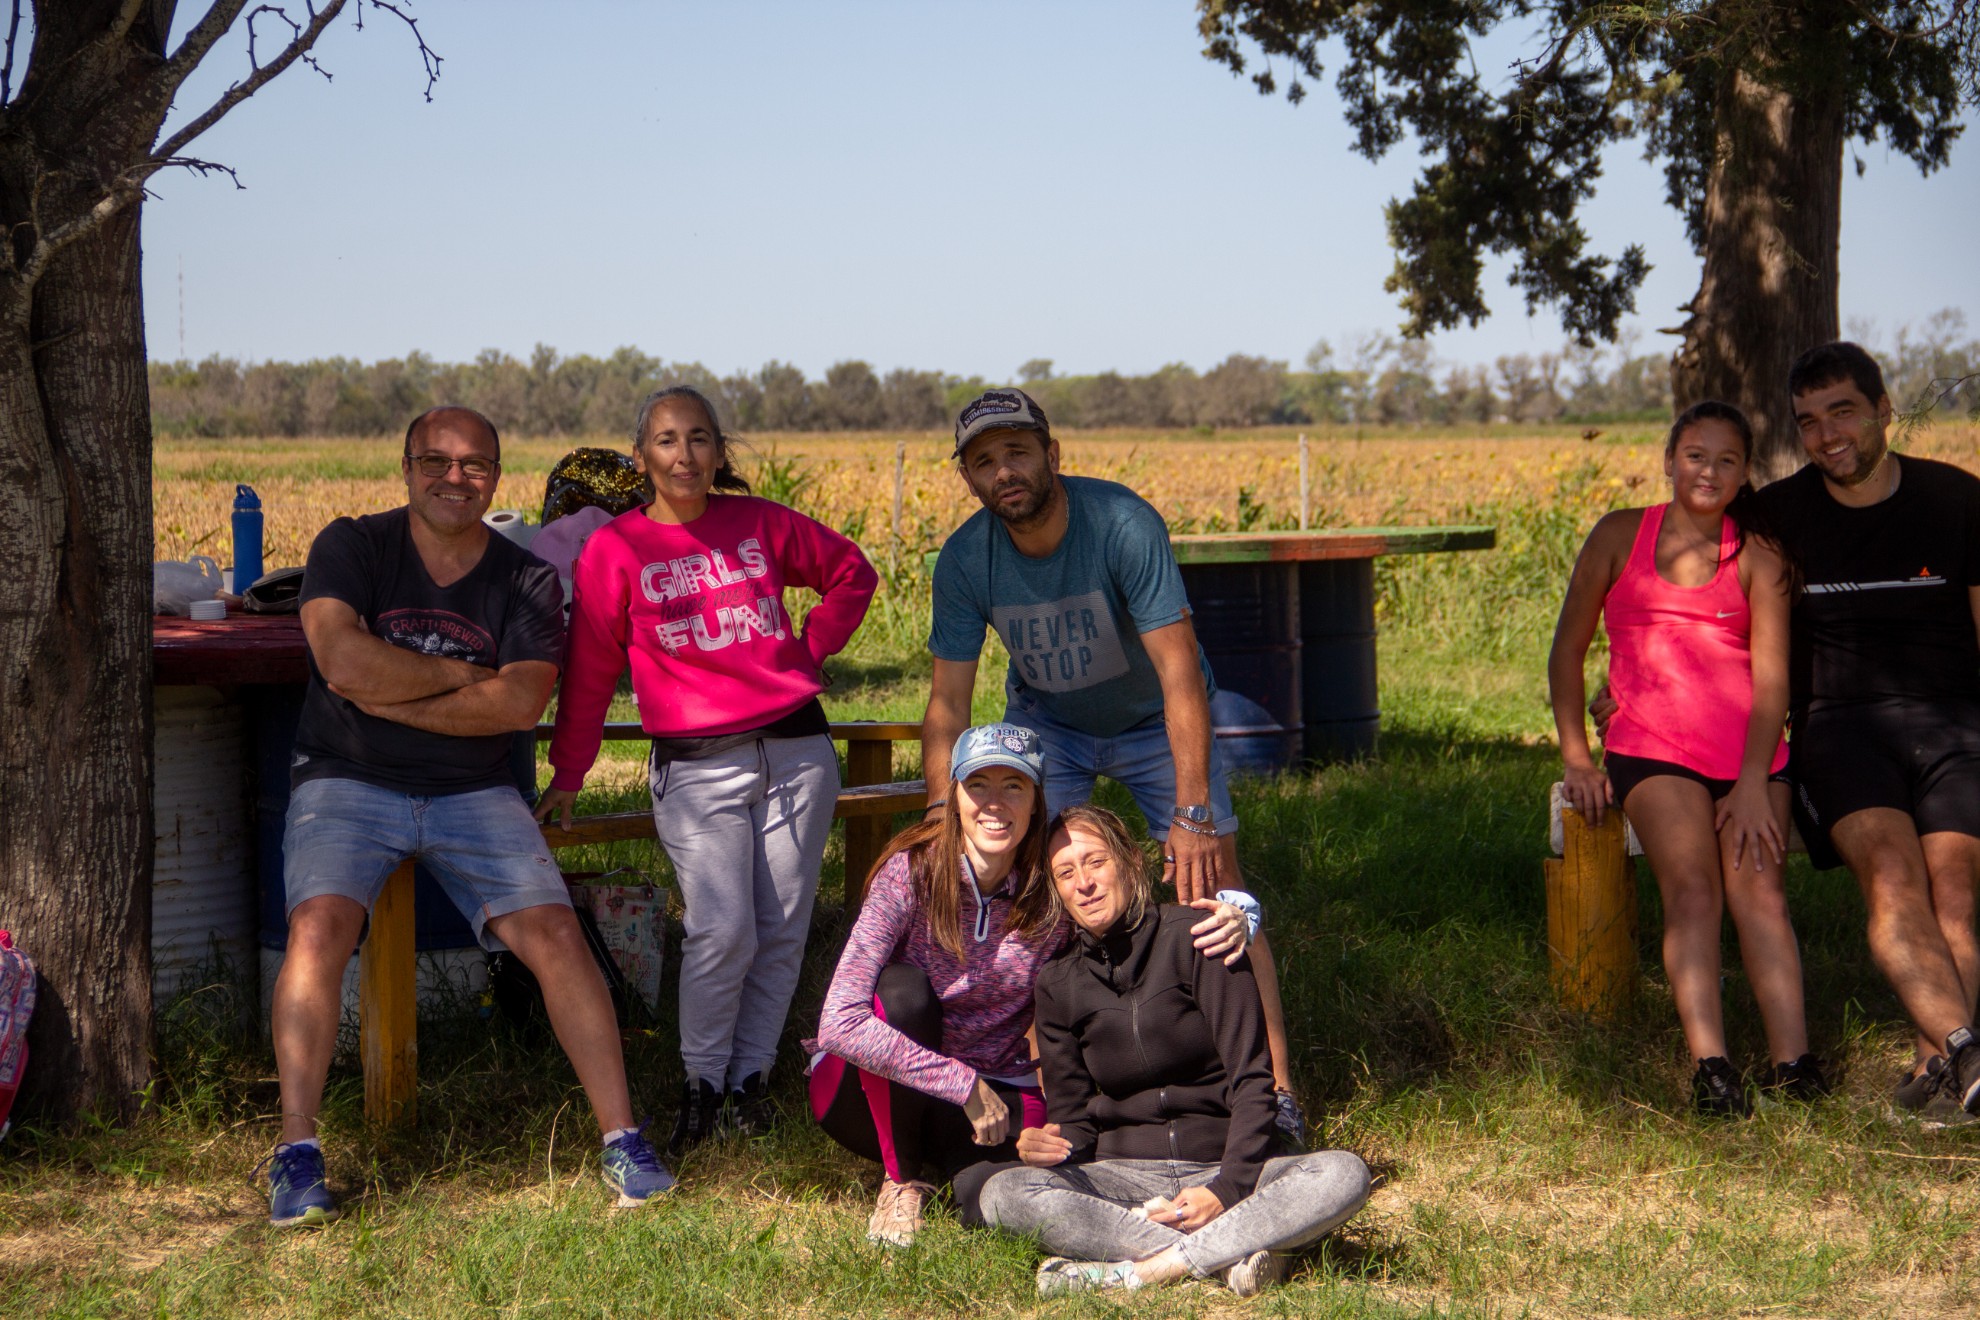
1196 815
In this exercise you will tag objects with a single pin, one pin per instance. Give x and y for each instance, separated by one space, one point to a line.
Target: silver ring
1168 859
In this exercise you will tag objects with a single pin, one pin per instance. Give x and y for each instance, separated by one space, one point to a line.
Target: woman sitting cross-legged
921 1061
1157 1161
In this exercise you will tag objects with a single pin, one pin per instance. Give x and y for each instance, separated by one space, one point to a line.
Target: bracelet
1194 828
938 802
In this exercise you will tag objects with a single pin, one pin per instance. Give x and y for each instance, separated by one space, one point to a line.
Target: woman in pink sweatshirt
1695 598
689 590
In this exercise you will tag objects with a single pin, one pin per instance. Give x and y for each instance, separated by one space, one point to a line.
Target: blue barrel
1250 741
1247 621
1337 658
437 923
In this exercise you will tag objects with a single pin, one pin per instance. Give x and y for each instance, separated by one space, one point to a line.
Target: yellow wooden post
387 1027
866 763
1591 916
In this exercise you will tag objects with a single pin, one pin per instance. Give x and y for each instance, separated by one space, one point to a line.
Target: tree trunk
1772 225
75 718
75 566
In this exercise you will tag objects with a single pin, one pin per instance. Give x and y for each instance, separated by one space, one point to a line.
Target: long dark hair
935 867
1749 516
726 476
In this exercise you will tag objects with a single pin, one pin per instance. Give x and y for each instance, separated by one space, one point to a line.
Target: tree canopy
1510 159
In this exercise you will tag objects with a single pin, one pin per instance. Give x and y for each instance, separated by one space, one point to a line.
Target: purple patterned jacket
986 996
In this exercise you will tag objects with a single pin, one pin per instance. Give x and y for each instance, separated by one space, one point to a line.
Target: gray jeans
746 832
1087 1211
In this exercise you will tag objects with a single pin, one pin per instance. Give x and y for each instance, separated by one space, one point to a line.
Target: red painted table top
242 648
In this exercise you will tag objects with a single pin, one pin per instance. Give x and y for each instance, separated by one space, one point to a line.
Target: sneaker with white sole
297 1195
1962 1074
897 1214
631 1169
1255 1273
1058 1276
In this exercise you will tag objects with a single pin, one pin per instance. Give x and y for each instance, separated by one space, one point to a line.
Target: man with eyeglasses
432 642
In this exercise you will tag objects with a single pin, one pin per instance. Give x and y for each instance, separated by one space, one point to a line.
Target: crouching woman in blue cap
1157 1161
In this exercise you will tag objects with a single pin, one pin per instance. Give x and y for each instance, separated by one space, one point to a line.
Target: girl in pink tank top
1696 611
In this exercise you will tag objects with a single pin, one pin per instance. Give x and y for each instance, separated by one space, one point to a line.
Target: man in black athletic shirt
1885 698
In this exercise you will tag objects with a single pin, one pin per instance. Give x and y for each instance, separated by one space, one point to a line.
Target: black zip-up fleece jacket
1151 1051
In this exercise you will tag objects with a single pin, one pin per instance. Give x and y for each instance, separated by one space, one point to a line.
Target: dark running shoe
631 1169
701 1113
1800 1080
751 1112
1717 1090
1915 1089
297 1195
1962 1074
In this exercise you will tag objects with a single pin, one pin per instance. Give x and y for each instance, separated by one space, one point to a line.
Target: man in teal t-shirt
1078 579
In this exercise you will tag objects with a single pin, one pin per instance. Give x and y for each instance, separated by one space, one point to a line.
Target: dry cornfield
1216 482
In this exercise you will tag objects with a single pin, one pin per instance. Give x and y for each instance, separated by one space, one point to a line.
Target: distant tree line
1376 379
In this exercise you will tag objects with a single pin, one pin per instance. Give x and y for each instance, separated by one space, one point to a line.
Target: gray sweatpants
746 832
1086 1211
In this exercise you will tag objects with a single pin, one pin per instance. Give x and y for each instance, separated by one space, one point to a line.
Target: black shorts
1626 772
1918 757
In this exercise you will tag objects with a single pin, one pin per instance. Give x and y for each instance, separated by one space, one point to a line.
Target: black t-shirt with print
509 608
1886 610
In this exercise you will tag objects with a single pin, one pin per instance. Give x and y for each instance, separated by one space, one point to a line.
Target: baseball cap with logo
999 410
1012 745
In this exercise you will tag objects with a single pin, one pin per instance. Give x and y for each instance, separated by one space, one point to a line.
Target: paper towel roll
509 522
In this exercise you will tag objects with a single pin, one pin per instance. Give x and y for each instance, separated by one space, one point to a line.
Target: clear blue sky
958 185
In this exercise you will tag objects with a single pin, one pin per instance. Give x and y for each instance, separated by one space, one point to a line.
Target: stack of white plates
208 610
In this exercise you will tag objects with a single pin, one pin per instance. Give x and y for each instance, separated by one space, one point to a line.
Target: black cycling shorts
1918 757
1626 772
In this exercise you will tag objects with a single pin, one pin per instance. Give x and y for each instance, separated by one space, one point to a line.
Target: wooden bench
1591 908
388 1040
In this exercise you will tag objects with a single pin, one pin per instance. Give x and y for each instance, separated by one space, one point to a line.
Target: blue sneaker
297 1196
633 1171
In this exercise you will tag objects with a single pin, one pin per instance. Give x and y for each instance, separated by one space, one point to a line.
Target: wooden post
1305 483
900 492
1591 916
387 1028
867 762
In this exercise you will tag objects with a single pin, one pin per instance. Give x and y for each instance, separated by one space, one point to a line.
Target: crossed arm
426 692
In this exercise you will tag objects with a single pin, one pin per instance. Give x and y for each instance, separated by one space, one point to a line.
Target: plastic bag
175 586
17 987
592 478
629 920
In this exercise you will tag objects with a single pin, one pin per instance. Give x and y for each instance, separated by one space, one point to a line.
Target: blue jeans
345 837
1138 759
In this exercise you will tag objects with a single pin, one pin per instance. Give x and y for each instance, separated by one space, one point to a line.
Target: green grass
1531 1163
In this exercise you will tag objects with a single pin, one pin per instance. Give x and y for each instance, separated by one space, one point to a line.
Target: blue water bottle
247 538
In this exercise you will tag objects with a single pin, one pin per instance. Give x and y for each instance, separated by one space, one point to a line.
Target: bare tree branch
7 69
211 27
427 56
241 91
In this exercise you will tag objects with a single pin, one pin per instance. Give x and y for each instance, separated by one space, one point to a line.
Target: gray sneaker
1914 1089
1255 1273
1058 1276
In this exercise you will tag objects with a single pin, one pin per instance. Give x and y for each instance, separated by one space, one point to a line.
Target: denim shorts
1138 759
345 837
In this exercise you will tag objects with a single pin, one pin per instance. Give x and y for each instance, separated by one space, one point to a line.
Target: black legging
925 1132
